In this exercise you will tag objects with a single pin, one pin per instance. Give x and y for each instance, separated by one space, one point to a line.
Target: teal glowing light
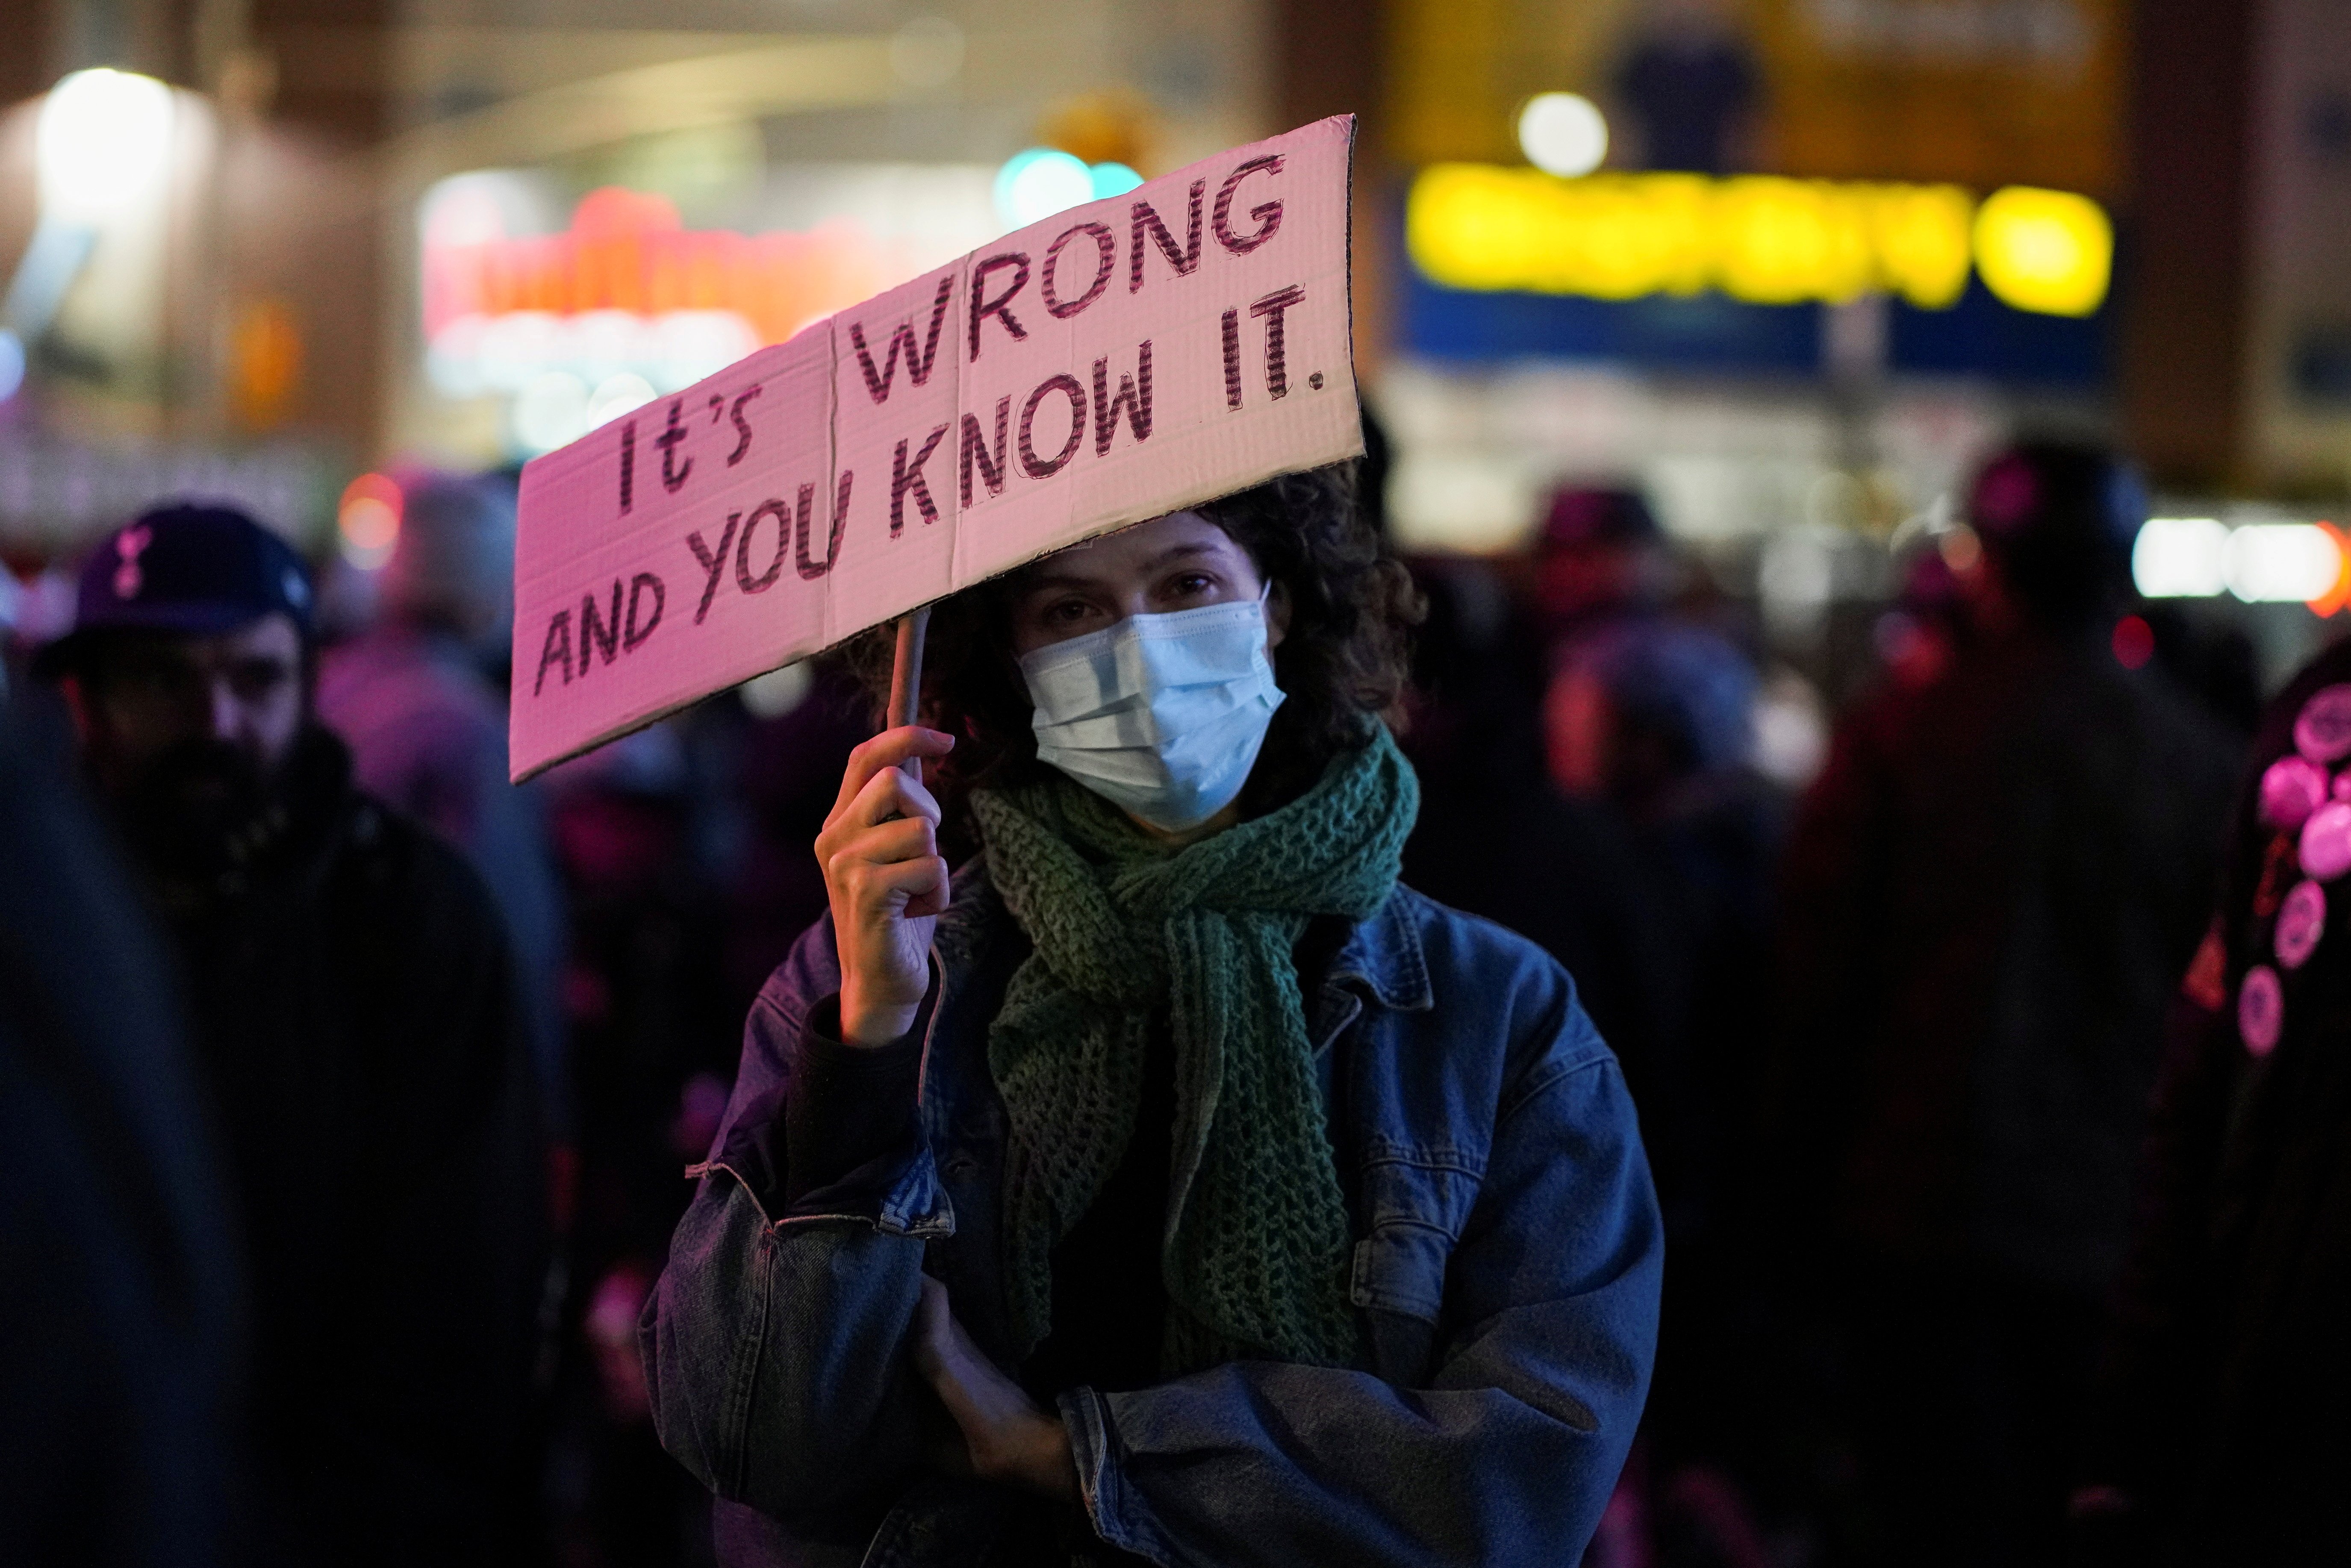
1113 179
1035 184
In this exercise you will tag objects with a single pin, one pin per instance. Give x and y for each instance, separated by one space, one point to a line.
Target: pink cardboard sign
1123 359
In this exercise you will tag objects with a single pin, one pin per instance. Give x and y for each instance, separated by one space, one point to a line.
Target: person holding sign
1168 1183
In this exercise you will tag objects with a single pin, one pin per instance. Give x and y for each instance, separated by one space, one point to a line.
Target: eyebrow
1044 580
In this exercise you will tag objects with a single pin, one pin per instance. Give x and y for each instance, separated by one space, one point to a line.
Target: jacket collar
1383 956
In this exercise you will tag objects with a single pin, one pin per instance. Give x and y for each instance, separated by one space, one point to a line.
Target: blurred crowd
345 1088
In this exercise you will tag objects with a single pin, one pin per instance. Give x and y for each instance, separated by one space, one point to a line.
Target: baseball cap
194 570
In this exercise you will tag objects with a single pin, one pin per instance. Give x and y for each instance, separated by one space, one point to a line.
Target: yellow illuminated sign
2049 251
1762 239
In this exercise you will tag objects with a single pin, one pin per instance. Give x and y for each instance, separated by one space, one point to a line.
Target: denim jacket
1506 1273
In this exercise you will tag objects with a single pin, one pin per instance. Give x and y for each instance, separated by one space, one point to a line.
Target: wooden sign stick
906 678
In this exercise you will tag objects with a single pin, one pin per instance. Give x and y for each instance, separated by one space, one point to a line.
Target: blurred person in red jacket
1989 894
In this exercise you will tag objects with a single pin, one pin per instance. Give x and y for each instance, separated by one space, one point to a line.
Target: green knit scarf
1256 1246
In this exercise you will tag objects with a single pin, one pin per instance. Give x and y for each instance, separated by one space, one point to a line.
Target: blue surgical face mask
1160 714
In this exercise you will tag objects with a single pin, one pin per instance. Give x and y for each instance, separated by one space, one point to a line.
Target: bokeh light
550 412
778 692
2133 642
1113 179
2180 557
1035 184
368 520
616 395
102 144
2280 563
1563 134
2049 251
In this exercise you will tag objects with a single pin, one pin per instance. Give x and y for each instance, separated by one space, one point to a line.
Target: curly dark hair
1342 661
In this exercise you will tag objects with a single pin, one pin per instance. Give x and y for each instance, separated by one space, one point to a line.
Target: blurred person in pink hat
420 698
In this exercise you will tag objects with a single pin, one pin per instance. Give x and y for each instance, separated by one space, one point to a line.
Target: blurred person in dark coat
646 997
414 699
1652 721
786 776
353 1007
1567 879
120 1277
2221 1439
1649 722
1990 894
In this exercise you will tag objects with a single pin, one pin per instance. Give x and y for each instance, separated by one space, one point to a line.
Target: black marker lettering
556 651
1277 375
1105 262
766 580
598 634
1134 393
1232 359
974 450
812 570
673 473
983 307
919 364
642 626
712 562
742 426
905 476
1066 385
1145 217
1268 216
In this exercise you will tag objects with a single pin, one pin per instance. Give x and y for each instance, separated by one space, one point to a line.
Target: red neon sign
626 250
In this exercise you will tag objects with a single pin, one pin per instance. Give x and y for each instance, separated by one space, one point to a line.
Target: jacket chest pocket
1415 1202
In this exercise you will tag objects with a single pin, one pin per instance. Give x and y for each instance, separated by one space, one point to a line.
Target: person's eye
163 680
1067 611
1191 585
259 678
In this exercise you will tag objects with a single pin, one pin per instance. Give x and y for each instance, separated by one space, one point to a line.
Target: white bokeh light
2180 557
103 143
1563 134
2279 563
551 411
616 395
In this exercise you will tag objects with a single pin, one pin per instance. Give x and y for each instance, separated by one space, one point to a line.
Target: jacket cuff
893 1184
1086 1416
846 1107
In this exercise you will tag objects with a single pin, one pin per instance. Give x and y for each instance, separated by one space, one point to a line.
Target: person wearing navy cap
352 999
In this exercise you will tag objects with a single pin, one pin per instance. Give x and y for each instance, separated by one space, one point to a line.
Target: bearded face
187 739
199 808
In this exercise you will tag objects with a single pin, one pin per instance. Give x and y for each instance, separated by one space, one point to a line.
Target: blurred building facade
1780 295
321 236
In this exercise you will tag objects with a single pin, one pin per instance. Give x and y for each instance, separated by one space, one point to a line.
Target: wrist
868 1026
1038 1457
1057 1463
